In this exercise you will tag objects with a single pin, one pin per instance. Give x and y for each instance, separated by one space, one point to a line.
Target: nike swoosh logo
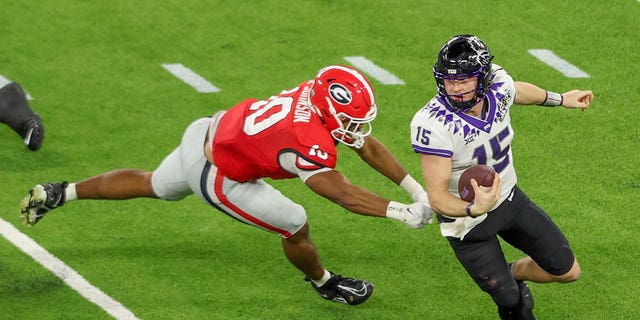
323 295
358 292
27 137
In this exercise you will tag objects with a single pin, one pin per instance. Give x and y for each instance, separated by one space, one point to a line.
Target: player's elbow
438 205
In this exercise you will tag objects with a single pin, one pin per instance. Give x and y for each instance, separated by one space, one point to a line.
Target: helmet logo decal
340 94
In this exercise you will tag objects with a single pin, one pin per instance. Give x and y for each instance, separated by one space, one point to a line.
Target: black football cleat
16 113
32 133
525 295
41 199
345 290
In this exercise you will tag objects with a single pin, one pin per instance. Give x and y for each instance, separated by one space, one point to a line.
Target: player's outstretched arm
529 94
334 186
378 156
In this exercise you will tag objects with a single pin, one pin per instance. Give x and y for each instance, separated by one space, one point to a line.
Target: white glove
414 188
414 215
428 213
424 208
420 196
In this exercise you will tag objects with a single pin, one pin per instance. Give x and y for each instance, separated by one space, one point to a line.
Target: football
482 173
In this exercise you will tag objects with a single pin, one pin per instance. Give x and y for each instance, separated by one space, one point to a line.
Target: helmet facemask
352 131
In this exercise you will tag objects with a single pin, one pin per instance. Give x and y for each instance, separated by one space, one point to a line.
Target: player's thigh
478 257
485 263
538 236
256 203
170 179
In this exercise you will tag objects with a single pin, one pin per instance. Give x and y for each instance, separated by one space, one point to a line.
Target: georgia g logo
340 94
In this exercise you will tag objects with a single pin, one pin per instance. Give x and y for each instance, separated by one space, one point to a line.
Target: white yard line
62 271
367 66
566 68
191 78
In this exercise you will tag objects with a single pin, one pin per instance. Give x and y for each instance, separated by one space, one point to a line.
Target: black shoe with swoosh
41 199
345 290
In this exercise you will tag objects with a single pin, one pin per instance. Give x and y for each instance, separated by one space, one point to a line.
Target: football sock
70 193
323 280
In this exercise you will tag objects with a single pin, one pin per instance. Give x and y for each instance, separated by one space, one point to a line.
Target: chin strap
358 143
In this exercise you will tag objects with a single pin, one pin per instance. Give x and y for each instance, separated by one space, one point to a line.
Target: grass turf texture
94 71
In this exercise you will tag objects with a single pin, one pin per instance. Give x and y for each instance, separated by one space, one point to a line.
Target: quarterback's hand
485 197
414 215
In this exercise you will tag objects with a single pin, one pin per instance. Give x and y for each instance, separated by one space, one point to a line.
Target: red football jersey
252 135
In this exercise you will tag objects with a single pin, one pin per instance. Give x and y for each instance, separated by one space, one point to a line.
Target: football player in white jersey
223 160
468 123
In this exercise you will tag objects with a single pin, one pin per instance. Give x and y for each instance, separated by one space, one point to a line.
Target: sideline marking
566 68
191 78
4 81
62 271
367 66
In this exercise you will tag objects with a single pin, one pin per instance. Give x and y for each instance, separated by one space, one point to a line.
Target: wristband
467 210
395 210
552 99
410 185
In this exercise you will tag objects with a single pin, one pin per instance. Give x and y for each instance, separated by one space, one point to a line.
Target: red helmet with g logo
345 100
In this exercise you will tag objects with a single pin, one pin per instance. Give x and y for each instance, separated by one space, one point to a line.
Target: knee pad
501 286
506 295
561 261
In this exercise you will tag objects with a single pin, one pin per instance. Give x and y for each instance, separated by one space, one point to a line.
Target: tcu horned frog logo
340 94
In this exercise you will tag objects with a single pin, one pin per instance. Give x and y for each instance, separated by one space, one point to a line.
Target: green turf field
94 71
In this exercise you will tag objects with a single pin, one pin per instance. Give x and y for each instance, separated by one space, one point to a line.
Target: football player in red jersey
223 159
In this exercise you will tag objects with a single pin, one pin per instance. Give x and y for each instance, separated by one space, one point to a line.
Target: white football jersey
437 129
